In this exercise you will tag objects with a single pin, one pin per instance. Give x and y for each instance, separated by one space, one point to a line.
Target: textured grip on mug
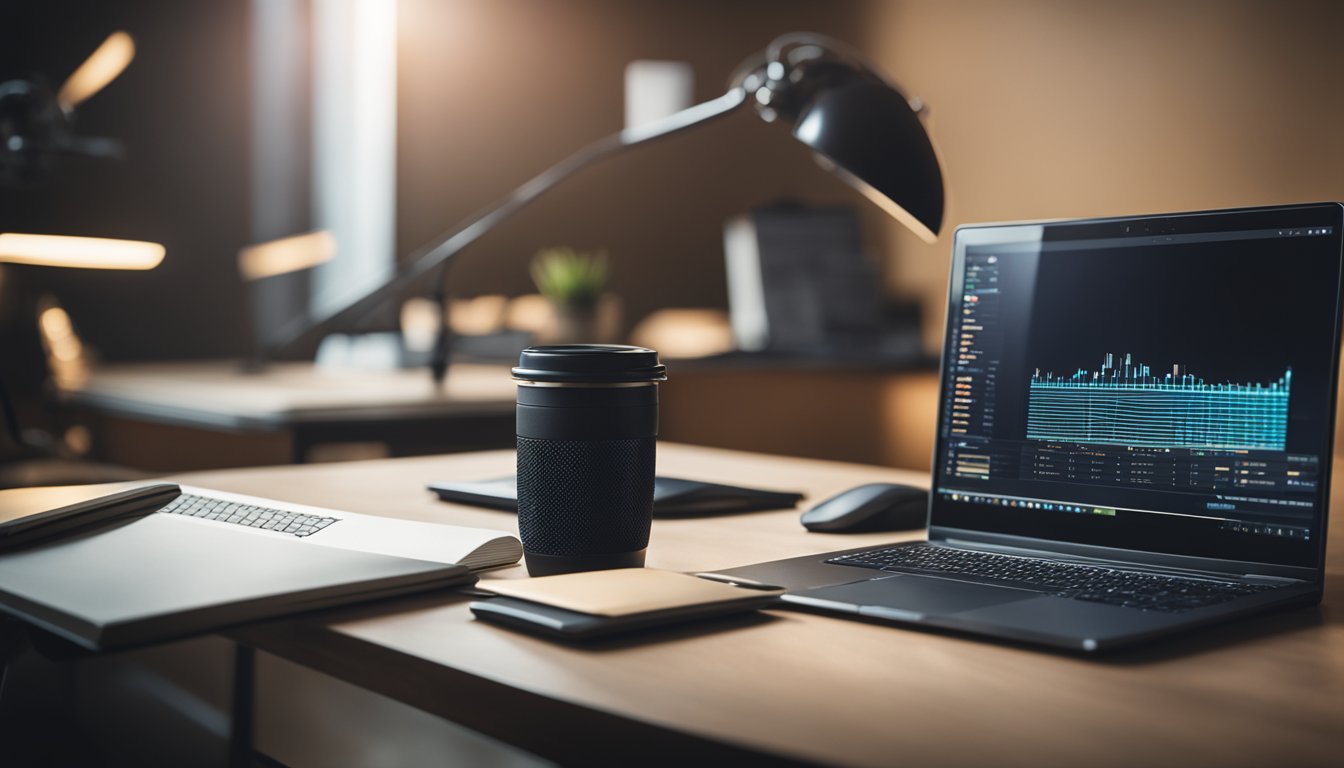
578 497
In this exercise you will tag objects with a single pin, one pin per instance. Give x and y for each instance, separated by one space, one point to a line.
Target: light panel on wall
103 66
79 252
286 254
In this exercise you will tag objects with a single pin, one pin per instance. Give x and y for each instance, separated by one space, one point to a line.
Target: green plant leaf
571 277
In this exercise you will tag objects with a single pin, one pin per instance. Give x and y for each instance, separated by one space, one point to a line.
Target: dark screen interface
1161 394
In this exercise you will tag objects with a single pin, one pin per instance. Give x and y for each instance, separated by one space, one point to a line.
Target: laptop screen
1158 384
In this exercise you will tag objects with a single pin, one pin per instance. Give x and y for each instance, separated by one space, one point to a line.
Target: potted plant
574 282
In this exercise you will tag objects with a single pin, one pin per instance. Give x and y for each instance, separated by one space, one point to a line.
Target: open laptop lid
1155 388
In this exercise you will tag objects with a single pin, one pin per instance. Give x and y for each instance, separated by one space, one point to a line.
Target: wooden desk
809 687
196 415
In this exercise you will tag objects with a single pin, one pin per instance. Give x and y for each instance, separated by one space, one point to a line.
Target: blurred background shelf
198 415
201 415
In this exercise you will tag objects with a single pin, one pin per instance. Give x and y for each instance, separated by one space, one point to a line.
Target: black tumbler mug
587 430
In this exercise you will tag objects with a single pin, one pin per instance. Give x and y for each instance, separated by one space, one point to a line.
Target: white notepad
164 577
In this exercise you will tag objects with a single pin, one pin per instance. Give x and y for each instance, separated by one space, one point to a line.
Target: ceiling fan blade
102 67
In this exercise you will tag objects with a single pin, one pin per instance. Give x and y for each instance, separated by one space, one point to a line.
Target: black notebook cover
30 516
672 496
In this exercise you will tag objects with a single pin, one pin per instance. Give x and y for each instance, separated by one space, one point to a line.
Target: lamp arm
437 253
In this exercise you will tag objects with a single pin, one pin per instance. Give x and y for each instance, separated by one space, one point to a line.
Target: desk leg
299 446
244 692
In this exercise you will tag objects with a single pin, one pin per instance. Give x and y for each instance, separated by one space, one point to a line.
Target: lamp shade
867 133
859 125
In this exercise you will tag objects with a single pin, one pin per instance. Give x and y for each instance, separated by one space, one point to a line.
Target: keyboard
1113 586
250 515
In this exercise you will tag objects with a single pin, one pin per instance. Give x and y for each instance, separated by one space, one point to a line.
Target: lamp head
859 125
36 123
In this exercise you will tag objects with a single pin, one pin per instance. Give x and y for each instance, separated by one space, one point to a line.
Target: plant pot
575 324
585 324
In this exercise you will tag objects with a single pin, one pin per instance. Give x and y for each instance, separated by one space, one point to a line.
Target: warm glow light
65 352
479 316
101 68
419 324
685 333
529 312
78 439
288 254
56 323
81 252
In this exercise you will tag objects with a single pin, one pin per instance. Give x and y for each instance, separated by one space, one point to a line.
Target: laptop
1135 432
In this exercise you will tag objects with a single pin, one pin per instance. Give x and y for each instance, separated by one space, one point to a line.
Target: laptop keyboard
1131 589
252 516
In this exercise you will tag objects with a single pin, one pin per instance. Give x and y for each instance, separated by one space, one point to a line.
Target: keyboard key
1112 586
250 515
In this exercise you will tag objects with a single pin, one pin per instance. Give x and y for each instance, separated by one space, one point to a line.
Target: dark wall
181 112
491 92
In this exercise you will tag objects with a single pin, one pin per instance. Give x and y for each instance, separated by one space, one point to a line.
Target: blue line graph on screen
1128 404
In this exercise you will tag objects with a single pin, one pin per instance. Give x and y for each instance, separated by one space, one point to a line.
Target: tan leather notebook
623 591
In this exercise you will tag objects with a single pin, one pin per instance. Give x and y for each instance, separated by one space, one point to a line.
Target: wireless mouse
871 507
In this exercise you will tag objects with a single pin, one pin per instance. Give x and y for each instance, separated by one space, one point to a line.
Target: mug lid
589 362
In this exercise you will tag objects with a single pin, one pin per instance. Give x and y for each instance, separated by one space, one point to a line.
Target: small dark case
561 624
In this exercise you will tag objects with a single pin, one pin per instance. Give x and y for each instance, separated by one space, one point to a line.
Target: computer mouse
871 507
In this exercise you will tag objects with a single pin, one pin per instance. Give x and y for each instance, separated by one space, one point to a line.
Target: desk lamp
858 125
35 129
36 123
36 132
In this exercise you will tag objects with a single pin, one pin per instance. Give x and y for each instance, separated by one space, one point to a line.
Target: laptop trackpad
906 597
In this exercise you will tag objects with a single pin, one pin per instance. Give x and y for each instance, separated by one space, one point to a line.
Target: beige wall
1040 109
1050 109
492 92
